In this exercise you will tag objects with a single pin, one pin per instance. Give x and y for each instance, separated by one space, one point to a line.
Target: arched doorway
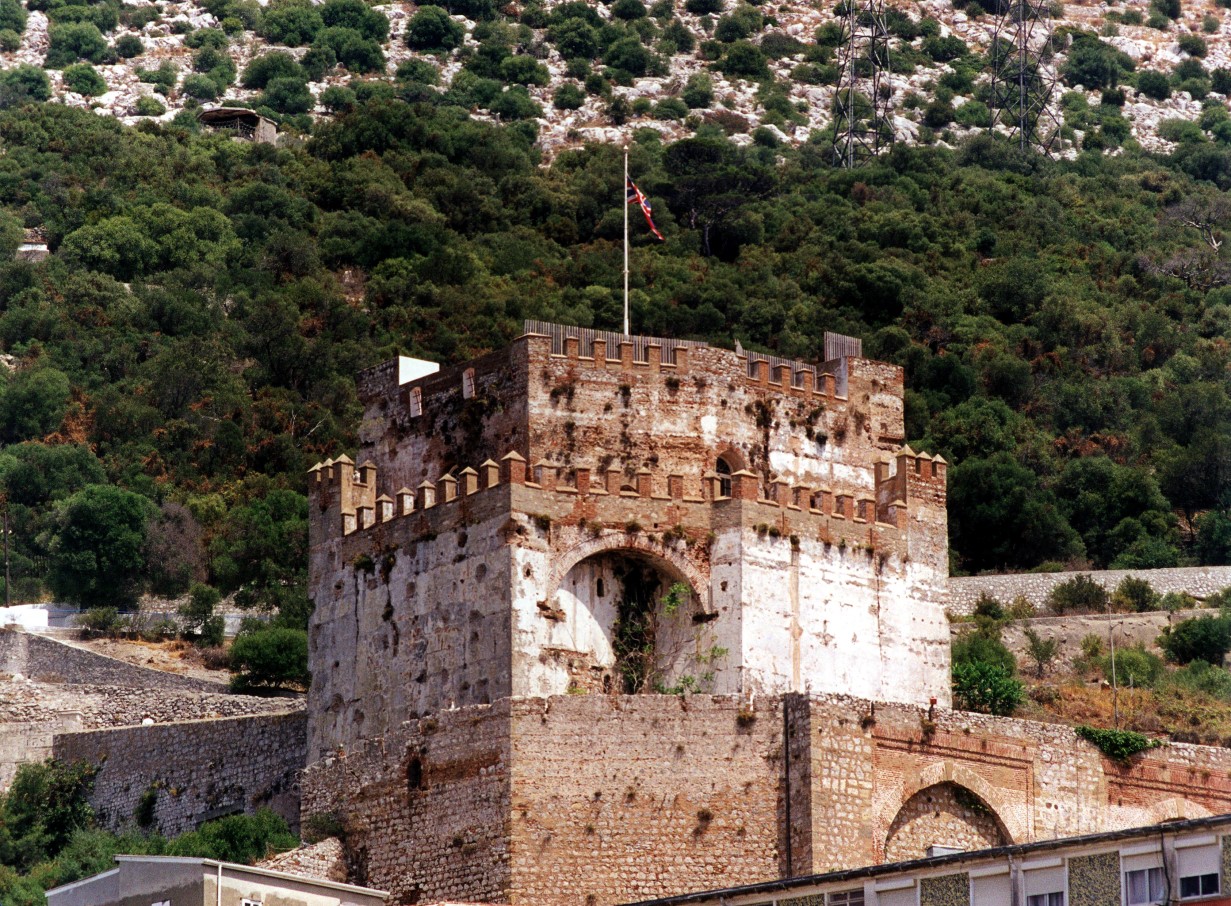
624 623
943 817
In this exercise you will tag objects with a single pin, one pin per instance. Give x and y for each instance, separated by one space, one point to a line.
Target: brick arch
1175 808
960 775
661 555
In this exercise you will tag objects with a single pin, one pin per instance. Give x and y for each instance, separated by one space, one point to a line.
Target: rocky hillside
593 71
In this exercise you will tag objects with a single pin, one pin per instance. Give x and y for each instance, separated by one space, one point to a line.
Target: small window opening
468 383
414 774
416 402
724 470
599 588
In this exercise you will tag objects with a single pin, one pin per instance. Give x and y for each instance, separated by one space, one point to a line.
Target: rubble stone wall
47 660
174 776
1198 581
425 811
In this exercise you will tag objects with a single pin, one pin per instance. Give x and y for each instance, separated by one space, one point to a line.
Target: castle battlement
349 493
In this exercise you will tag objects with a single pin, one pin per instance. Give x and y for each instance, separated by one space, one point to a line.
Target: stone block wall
605 799
47 660
1198 581
193 770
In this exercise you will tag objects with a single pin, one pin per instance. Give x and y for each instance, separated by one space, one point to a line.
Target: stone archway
623 622
672 562
946 815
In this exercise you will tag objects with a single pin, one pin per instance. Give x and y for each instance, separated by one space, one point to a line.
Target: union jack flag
636 196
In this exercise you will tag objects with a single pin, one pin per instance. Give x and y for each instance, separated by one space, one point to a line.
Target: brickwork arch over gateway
660 554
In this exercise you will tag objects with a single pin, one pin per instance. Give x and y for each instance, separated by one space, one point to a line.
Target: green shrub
522 69
1200 639
515 104
12 16
100 621
1134 596
288 95
200 86
337 99
670 109
698 91
356 15
981 647
1119 745
74 41
21 84
294 24
1080 594
986 687
1193 45
432 30
129 46
270 658
744 59
1198 676
568 96
9 40
1042 651
628 10
245 839
149 106
352 49
1134 667
275 65
703 7
1154 85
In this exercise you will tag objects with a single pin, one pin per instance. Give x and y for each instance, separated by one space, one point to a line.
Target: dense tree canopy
193 338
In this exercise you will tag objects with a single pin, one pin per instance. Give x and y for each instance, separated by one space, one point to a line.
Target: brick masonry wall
603 799
47 660
1198 581
196 770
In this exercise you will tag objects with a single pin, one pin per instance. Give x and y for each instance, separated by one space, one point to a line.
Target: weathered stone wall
47 660
32 713
193 770
574 799
605 799
488 595
427 810
1069 631
26 741
623 798
1198 581
579 410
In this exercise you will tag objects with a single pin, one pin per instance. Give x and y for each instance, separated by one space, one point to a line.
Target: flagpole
626 327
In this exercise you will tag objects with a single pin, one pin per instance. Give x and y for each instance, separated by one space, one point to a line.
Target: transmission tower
862 117
1024 75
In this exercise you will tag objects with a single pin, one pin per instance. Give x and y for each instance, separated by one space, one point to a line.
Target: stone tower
530 523
533 544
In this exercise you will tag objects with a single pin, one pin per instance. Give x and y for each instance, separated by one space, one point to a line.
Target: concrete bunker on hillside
247 125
